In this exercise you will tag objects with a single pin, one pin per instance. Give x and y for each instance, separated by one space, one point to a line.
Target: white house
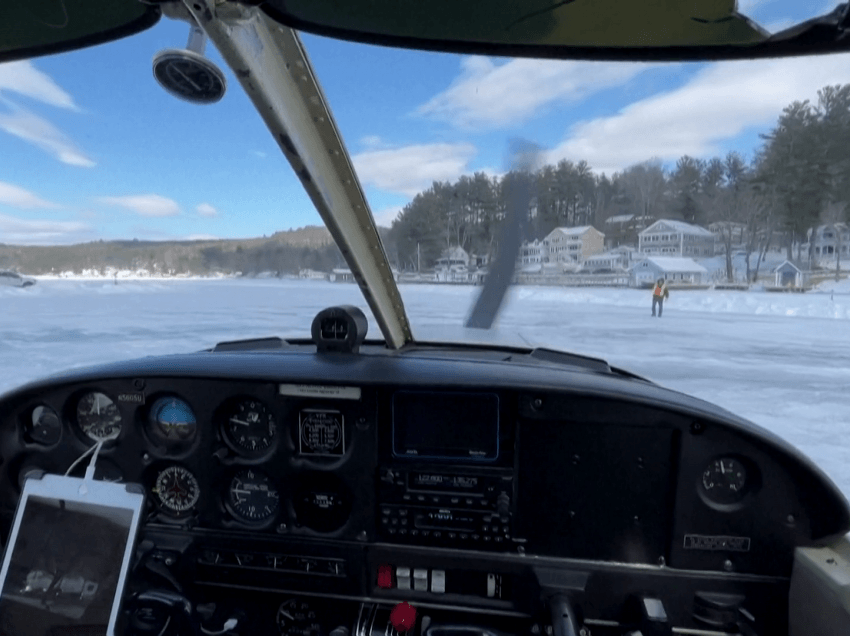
453 265
618 259
676 238
573 244
534 252
826 239
675 270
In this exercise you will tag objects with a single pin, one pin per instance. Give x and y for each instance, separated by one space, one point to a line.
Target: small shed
789 275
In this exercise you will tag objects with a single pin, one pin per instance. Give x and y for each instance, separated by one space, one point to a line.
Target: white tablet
67 558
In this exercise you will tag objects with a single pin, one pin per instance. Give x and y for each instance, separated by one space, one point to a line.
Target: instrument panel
478 490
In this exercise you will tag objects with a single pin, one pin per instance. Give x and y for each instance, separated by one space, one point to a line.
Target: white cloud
386 216
17 197
201 237
205 209
719 103
152 205
23 78
17 231
41 133
487 95
259 153
410 169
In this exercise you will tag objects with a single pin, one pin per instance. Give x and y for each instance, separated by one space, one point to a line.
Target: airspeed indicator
321 432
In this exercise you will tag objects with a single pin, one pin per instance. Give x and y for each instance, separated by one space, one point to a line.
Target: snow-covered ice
780 360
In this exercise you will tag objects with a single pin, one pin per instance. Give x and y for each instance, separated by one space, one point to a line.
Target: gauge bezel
227 409
751 485
72 410
310 482
161 506
231 509
160 445
27 425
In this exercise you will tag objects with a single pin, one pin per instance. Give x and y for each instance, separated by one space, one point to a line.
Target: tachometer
252 497
250 426
296 618
172 420
98 417
176 489
725 480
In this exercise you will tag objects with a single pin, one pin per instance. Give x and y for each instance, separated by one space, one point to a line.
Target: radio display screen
446 425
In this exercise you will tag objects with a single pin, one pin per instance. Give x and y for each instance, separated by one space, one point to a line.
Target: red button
385 576
403 617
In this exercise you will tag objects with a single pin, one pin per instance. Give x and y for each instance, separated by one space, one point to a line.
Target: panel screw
584 631
138 384
662 561
537 404
791 520
282 528
696 428
520 549
727 565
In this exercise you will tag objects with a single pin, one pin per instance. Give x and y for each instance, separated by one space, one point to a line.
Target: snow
780 360
679 226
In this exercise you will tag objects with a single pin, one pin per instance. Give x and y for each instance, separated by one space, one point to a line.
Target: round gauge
321 502
295 617
98 417
321 432
250 426
724 480
252 496
44 427
172 420
176 489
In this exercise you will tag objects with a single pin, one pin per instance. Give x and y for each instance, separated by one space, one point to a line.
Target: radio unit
446 507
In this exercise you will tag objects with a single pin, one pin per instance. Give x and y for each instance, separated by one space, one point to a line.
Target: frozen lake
780 360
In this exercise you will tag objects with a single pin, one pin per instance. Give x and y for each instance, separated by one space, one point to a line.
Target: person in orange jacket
659 293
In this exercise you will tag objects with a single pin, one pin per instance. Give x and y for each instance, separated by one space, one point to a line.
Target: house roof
574 231
454 252
679 226
670 264
785 265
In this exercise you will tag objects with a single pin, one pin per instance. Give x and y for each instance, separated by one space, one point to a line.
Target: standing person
659 293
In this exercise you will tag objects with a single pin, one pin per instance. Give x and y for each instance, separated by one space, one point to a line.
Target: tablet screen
64 568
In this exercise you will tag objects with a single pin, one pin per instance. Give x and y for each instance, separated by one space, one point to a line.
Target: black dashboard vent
339 329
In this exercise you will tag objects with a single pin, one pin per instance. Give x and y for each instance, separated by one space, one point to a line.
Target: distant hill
288 251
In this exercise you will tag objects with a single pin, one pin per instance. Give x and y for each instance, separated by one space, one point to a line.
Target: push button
420 580
438 581
402 577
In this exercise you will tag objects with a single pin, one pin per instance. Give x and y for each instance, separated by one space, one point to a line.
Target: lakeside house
676 271
676 238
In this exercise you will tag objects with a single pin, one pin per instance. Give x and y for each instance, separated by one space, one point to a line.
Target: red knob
403 617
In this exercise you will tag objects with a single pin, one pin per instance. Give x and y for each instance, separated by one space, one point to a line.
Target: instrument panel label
716 543
320 391
134 398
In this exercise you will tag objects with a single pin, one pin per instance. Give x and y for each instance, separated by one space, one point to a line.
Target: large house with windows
828 241
676 238
573 244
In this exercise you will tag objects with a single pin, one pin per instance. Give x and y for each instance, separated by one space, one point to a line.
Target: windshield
139 224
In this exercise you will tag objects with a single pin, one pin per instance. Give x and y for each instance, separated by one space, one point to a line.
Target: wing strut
271 63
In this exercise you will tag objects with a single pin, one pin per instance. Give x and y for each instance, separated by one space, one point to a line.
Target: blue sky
91 147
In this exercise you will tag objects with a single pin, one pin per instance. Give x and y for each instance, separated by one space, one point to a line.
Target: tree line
797 179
